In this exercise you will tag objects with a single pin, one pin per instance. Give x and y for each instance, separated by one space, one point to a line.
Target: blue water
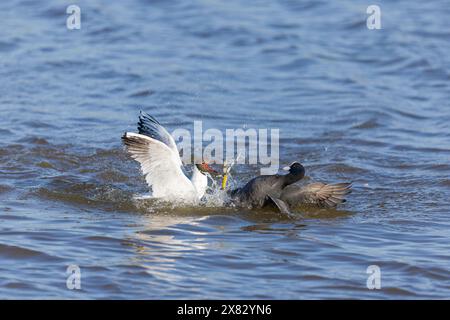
352 104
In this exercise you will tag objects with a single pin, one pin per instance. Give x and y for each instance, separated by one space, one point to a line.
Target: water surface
352 104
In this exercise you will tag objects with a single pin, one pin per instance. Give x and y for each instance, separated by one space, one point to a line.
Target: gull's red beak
206 168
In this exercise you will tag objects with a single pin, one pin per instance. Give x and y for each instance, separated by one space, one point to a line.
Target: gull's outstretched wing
161 167
149 126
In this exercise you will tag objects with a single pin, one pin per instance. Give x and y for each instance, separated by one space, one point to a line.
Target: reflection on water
351 104
167 245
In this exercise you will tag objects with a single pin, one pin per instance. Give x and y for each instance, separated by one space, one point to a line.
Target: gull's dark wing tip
144 118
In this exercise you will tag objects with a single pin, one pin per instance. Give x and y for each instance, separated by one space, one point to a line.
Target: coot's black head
296 169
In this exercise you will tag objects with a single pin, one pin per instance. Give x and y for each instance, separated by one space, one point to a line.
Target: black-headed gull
155 149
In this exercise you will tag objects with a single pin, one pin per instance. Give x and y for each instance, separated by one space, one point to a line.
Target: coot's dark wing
321 194
280 204
255 192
